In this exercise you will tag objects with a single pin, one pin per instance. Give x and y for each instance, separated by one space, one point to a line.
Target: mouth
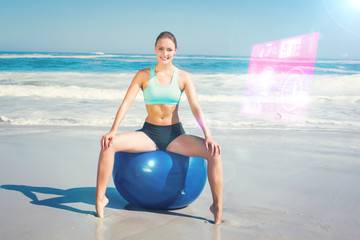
164 58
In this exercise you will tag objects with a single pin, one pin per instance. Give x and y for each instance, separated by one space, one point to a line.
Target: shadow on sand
82 195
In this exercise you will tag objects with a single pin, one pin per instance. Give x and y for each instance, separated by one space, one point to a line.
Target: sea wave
68 76
221 87
70 92
136 122
339 70
87 93
338 61
53 78
335 85
4 121
333 99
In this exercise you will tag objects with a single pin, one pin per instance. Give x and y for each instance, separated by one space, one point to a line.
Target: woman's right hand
107 140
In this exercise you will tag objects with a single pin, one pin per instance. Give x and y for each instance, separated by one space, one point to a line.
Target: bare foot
217 211
100 205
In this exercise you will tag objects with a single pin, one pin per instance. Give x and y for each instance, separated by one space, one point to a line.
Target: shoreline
278 127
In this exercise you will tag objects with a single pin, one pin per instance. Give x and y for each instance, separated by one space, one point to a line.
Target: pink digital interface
279 78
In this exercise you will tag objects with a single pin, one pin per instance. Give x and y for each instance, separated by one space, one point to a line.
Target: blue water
76 89
22 61
115 62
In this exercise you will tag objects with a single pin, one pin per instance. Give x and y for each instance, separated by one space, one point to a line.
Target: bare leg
129 142
105 167
190 145
215 178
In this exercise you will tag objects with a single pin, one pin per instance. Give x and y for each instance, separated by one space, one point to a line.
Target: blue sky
227 27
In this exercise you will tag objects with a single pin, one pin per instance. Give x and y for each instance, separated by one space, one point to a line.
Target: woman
162 86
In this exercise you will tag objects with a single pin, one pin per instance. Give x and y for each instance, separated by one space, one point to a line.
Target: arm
198 114
131 93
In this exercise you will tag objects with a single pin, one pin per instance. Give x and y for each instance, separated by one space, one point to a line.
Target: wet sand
278 184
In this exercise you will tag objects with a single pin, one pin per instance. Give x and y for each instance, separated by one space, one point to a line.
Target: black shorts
162 136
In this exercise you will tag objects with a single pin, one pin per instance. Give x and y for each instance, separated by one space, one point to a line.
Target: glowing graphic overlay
279 77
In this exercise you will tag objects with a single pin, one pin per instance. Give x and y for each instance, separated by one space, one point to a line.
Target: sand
278 184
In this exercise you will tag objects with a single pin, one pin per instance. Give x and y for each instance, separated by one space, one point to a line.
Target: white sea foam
101 94
311 123
335 99
86 93
29 98
70 92
53 122
323 123
335 85
333 61
112 86
322 85
340 70
90 79
109 79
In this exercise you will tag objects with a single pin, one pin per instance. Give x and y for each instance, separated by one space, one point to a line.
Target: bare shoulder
142 75
184 78
184 75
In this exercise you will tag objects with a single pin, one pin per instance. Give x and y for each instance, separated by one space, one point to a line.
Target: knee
107 151
214 159
107 143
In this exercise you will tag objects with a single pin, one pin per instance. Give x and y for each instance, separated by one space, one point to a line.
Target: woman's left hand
212 146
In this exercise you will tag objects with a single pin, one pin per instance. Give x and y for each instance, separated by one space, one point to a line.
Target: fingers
103 142
217 149
106 141
110 141
213 147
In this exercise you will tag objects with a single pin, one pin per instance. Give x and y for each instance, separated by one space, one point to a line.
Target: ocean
78 89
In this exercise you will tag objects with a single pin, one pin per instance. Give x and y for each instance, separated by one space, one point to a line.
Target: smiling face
165 50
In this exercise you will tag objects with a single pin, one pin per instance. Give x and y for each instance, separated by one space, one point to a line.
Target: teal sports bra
155 93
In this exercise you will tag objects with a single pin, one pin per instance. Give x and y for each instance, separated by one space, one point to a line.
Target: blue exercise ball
159 179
